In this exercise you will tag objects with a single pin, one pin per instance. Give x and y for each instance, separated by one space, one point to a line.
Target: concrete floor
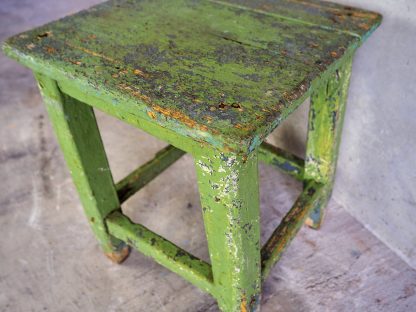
51 262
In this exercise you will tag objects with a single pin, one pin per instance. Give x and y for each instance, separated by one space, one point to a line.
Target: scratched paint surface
226 73
327 14
229 192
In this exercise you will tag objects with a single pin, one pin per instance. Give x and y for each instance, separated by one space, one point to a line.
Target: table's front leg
79 137
229 190
326 118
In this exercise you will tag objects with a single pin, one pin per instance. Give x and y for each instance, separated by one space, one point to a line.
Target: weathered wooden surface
162 250
359 273
77 132
263 80
327 14
326 118
229 191
341 268
222 74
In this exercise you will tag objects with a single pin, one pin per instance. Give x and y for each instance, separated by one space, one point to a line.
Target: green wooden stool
213 79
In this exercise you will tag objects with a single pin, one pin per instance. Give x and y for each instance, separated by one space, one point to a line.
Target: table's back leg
229 191
326 117
79 137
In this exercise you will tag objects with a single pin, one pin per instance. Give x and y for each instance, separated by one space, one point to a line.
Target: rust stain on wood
90 52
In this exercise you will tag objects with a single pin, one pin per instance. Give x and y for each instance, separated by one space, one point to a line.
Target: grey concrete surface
49 260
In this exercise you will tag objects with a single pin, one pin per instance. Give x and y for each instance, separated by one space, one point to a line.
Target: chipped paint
326 118
233 84
213 78
163 251
231 207
243 306
77 132
90 52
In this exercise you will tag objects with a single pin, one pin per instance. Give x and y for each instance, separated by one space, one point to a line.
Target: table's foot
120 256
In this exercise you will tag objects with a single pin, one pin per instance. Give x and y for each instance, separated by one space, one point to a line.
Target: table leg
76 128
229 191
326 118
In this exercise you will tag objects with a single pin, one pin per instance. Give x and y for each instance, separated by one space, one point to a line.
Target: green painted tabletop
222 72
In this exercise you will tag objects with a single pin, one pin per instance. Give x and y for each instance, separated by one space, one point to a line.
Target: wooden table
213 79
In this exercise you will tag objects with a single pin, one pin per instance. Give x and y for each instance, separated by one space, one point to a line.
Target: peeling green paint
326 117
222 74
163 251
232 224
77 132
213 79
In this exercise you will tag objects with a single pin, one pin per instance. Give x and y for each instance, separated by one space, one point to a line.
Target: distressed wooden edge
365 32
282 160
77 133
179 261
137 115
229 194
144 174
261 133
326 116
289 226
133 113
